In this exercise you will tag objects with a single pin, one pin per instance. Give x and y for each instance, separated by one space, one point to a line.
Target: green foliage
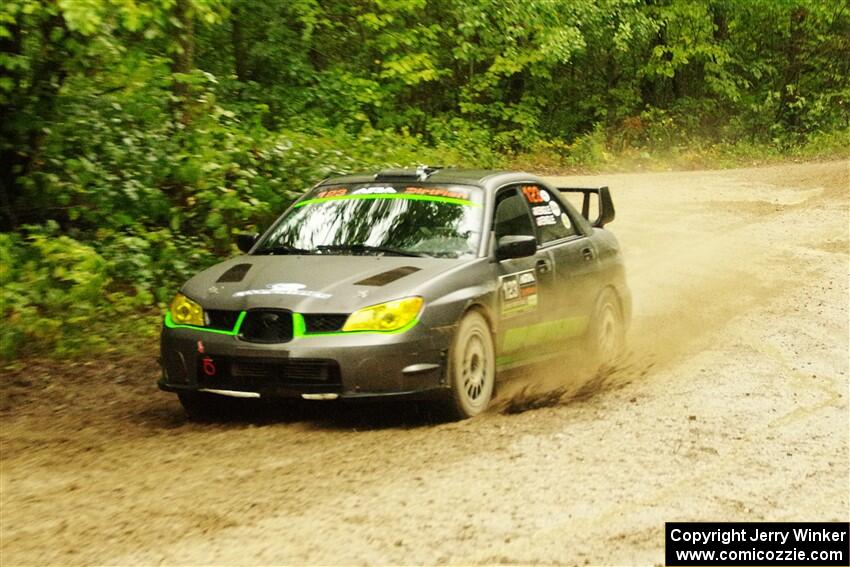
49 286
138 137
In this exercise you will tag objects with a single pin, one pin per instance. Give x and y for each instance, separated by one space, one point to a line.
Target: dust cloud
691 271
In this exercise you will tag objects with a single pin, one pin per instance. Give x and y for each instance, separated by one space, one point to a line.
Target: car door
575 271
526 285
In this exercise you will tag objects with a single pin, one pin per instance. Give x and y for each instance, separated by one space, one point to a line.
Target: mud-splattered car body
277 321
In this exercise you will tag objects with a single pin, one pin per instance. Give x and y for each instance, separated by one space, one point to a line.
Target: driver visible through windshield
381 219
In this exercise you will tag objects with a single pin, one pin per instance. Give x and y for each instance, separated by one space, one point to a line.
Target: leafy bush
138 204
51 286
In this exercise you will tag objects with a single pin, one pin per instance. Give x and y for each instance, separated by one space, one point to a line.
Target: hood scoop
234 274
388 277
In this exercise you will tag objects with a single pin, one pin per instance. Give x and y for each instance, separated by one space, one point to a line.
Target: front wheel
472 367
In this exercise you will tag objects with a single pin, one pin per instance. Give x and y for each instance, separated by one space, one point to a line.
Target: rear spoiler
605 205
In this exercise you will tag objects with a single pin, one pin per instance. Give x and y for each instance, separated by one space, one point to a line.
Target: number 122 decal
518 293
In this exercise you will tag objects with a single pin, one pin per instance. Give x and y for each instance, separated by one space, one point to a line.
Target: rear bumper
347 366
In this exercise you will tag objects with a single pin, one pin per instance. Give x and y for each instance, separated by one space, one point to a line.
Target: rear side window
511 217
550 217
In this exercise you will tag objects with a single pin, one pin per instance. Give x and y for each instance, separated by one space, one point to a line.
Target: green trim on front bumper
235 331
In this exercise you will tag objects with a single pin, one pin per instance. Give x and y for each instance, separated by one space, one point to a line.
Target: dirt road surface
732 406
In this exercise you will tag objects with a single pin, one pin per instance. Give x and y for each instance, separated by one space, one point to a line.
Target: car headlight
184 311
389 316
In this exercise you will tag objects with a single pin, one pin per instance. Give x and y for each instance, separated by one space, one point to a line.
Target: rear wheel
606 335
472 367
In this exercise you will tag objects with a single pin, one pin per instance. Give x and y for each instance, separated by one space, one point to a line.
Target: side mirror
515 246
246 241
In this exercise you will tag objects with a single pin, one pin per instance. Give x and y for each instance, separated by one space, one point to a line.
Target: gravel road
733 405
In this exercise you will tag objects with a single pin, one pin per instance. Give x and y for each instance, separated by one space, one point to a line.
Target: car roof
485 178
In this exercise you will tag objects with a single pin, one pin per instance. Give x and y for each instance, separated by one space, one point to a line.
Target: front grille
324 322
220 319
252 374
301 370
267 326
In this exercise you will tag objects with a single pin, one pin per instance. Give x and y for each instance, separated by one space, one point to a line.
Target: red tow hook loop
209 366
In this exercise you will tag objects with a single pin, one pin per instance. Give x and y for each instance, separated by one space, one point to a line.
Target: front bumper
339 365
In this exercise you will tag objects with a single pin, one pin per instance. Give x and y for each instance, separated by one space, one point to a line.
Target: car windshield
385 219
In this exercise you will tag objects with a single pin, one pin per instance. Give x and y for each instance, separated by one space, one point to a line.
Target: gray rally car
406 282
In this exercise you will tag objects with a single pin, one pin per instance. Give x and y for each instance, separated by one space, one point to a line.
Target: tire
472 368
201 406
606 334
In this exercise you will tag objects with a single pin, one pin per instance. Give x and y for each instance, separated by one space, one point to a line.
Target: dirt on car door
526 285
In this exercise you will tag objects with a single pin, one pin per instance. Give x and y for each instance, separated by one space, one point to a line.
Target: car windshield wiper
361 248
281 250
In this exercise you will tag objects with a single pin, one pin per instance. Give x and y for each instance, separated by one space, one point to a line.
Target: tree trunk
237 40
651 87
786 113
12 154
182 61
721 23
25 114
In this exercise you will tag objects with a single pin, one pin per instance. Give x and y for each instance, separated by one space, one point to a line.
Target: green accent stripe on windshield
169 322
406 196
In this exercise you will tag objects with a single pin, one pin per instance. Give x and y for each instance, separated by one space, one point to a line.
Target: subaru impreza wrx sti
417 283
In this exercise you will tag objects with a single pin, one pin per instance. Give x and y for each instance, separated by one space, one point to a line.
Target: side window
511 217
550 217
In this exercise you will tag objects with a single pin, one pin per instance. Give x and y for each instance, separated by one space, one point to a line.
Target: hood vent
388 277
234 274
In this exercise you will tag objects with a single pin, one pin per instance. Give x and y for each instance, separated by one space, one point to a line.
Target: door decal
518 293
554 332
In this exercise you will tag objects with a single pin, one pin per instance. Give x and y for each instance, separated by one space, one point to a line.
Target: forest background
138 137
